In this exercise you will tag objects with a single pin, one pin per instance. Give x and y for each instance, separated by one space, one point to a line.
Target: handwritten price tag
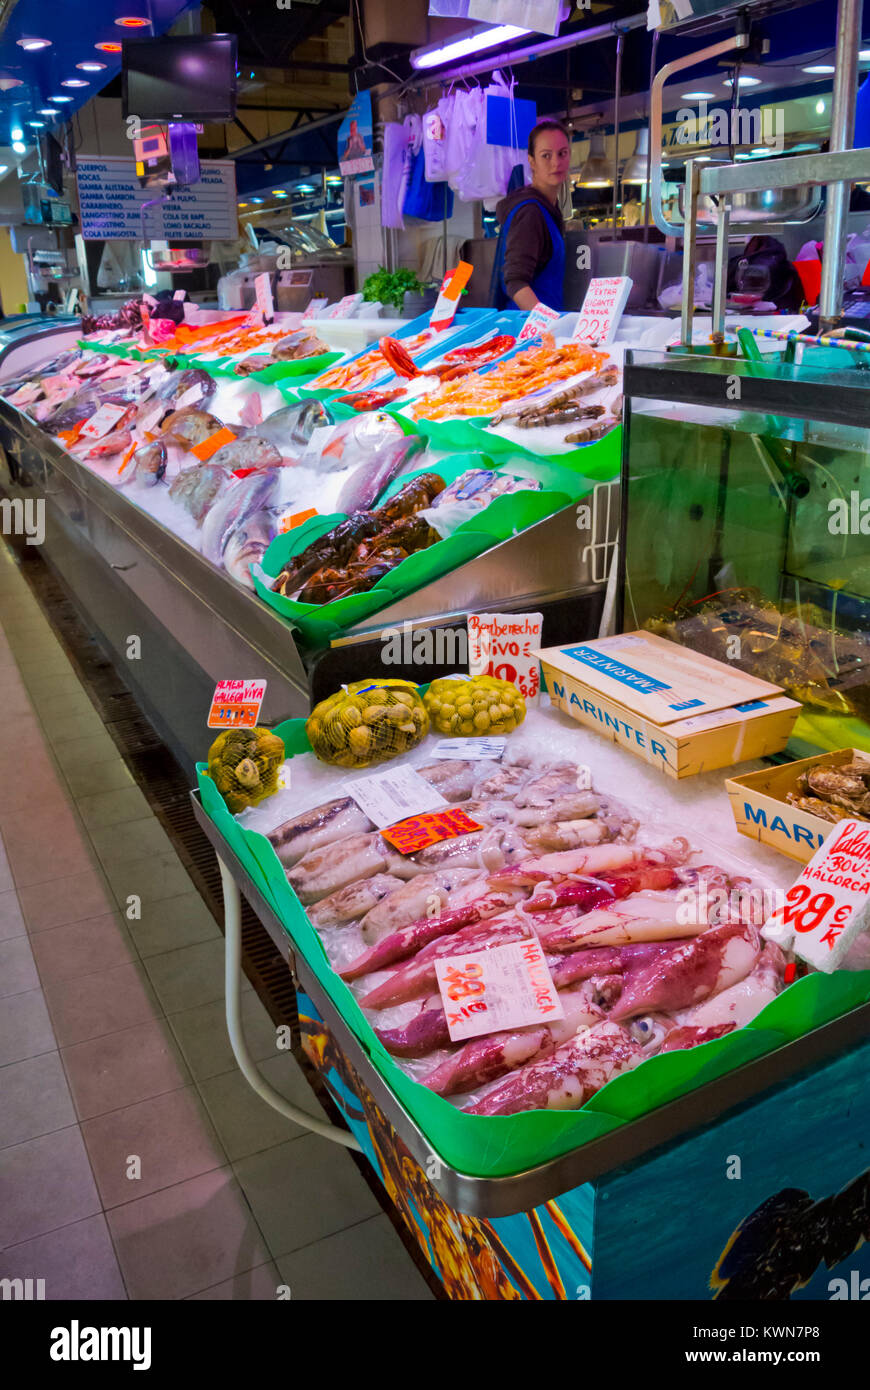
602 309
829 905
314 307
419 831
540 320
236 704
345 307
490 991
102 421
447 303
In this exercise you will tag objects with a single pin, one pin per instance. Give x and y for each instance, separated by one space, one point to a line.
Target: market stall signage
111 203
448 296
503 988
415 833
355 137
103 420
394 795
540 320
602 308
829 905
236 704
502 645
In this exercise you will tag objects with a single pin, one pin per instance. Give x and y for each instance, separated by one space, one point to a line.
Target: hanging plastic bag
394 182
435 145
541 16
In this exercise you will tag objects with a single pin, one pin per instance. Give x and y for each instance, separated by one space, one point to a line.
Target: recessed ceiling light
91 67
3 168
75 82
48 111
132 21
697 96
39 125
743 156
61 98
256 200
16 133
108 47
279 192
820 68
761 152
820 108
32 45
19 147
701 158
243 205
743 82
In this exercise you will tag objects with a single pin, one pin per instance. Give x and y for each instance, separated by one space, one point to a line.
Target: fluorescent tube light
465 44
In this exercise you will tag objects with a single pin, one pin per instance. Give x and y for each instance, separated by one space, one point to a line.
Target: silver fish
196 488
148 465
243 522
320 826
189 427
290 428
367 482
248 451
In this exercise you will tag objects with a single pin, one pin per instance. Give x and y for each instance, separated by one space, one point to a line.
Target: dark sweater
529 244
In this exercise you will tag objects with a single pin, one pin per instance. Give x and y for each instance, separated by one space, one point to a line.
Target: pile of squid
645 957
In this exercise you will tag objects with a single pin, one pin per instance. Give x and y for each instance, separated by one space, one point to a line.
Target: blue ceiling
74 27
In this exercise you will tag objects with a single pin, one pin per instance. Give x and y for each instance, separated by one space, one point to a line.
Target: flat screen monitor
51 154
185 78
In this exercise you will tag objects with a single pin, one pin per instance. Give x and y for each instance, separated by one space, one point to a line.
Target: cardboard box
637 690
758 802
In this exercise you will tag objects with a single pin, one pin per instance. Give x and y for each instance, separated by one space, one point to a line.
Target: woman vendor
530 257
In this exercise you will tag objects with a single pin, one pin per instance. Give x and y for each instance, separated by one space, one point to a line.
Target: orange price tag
291 522
211 445
236 704
70 436
426 829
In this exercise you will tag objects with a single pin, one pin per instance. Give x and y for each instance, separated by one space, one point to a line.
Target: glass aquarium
746 522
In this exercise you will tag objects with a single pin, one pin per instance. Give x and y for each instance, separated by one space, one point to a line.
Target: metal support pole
617 92
652 73
690 250
720 283
842 137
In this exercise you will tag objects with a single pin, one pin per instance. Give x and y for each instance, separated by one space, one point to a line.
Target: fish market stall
234 490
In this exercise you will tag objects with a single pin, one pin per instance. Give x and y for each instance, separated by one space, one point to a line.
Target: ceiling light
61 98
743 82
19 147
761 152
132 21
243 205
3 168
334 178
820 108
110 47
75 82
48 111
473 42
697 96
305 188
256 200
597 172
33 45
39 125
17 133
743 156
279 192
700 159
819 68
864 55
635 170
91 67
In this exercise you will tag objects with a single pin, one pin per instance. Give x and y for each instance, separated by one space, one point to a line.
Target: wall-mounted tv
184 78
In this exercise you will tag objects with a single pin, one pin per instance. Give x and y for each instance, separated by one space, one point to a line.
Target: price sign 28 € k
489 991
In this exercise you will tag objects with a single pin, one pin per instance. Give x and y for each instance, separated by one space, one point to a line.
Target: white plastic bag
542 16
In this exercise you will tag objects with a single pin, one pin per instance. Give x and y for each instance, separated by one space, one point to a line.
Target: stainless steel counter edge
503 1196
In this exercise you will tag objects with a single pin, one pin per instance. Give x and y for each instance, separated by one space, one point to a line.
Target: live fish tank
746 523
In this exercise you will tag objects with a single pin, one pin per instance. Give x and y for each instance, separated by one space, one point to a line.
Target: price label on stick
447 303
263 292
829 905
540 320
503 988
315 306
345 307
602 309
236 704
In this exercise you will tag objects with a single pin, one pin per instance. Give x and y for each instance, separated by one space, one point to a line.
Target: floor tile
39 668
131 841
122 1068
113 807
86 752
43 787
46 1183
151 880
34 1099
99 777
45 688
189 976
255 1285
81 948
66 728
25 1027
17 967
11 918
69 899
171 1135
39 851
54 708
186 1238
173 922
246 1123
100 1003
367 1262
202 1036
303 1190
76 1262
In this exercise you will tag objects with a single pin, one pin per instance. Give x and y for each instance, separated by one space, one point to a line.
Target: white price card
314 307
491 991
602 309
540 320
263 293
345 307
452 285
829 904
394 795
103 420
236 704
180 294
473 749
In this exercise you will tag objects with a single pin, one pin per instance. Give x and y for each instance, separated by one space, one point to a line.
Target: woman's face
551 161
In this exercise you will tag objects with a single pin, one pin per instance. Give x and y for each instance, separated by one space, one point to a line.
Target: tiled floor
135 1160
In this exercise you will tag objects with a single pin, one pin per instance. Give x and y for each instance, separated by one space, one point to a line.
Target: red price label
428 828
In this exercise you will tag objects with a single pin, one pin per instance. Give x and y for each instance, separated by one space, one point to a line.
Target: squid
419 976
715 960
737 1005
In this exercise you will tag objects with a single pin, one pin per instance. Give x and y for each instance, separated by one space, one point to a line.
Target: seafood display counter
236 498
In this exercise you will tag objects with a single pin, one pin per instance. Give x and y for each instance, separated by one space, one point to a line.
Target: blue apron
549 283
